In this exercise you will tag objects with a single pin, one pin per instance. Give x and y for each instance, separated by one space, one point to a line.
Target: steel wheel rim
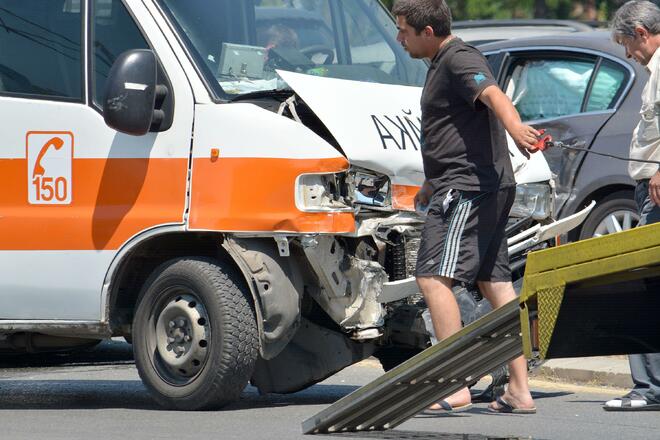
617 221
179 336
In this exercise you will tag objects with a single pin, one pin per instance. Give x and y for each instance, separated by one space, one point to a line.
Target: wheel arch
137 260
598 194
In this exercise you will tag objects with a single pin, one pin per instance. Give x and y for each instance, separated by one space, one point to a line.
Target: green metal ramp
432 375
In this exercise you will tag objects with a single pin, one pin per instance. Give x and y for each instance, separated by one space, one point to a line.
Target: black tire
204 360
620 202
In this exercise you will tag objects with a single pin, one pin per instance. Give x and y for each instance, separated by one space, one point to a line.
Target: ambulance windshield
239 45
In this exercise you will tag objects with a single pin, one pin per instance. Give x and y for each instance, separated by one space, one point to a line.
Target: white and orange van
227 183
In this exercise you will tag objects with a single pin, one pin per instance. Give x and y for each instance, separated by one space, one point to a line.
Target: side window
40 48
548 88
113 32
607 86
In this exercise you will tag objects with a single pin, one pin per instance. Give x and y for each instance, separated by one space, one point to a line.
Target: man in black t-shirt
469 187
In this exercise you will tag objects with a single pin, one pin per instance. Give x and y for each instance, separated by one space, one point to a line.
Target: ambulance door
74 190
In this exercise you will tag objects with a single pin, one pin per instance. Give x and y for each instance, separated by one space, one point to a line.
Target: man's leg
446 318
644 368
517 393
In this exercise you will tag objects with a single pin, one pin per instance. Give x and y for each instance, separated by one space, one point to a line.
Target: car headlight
343 191
533 200
367 188
321 193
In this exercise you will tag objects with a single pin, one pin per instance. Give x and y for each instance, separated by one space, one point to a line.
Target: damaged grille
401 256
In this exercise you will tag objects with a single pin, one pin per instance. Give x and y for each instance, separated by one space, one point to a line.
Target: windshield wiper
273 93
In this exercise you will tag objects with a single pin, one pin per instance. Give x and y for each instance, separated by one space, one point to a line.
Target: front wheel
195 337
615 213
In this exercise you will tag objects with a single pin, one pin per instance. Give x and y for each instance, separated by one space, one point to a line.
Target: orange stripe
258 194
112 200
403 197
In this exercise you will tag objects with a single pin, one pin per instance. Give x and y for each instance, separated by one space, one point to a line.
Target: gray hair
636 13
422 13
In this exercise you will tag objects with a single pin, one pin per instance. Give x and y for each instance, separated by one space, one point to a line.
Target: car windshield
239 45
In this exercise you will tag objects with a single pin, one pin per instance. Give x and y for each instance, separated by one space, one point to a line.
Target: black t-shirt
464 145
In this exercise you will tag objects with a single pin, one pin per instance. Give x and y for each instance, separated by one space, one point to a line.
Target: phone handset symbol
38 168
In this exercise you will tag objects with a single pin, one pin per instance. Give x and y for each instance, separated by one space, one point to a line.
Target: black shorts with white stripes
464 236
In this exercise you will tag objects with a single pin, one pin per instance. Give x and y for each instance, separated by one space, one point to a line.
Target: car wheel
195 337
615 213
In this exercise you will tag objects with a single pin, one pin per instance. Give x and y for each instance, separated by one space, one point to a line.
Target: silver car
583 90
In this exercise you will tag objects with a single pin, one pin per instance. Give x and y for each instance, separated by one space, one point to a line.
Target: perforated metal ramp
428 377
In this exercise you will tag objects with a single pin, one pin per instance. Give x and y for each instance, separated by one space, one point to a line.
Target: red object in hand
544 142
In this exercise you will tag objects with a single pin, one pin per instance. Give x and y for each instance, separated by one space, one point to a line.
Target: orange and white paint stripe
250 185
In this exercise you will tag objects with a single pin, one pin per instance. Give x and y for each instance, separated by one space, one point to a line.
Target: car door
569 92
76 190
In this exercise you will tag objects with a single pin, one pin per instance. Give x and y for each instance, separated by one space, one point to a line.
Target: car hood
378 126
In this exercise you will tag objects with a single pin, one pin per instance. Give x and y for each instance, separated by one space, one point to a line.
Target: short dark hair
422 13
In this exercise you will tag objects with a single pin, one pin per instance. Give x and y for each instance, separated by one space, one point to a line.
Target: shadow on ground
418 435
106 353
131 394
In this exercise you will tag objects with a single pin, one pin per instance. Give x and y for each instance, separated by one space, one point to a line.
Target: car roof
593 40
485 31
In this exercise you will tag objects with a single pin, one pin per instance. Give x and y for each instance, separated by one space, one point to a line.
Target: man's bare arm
654 188
523 135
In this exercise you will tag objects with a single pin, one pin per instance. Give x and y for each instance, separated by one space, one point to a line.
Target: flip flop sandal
446 408
506 408
630 402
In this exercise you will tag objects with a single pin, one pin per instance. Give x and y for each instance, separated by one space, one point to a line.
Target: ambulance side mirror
131 91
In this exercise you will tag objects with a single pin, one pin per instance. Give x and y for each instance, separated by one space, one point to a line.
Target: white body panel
245 130
61 285
67 284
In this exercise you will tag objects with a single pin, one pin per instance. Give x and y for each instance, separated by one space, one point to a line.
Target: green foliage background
591 10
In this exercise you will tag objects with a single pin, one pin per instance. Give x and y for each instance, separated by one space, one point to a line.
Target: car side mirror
131 93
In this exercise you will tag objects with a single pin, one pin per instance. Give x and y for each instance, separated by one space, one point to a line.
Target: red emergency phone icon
38 168
49 173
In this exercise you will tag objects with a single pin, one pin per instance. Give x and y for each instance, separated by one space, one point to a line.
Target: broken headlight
321 193
366 188
533 200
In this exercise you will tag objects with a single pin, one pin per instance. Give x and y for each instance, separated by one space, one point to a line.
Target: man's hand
423 196
654 188
525 138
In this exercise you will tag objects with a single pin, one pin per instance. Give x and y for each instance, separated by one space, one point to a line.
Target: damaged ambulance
227 184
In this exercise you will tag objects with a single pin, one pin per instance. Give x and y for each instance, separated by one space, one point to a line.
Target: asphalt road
98 395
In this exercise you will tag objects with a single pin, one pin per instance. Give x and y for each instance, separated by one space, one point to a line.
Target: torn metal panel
397 290
368 277
349 286
402 222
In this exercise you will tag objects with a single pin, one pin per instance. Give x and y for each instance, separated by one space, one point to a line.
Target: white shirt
645 142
